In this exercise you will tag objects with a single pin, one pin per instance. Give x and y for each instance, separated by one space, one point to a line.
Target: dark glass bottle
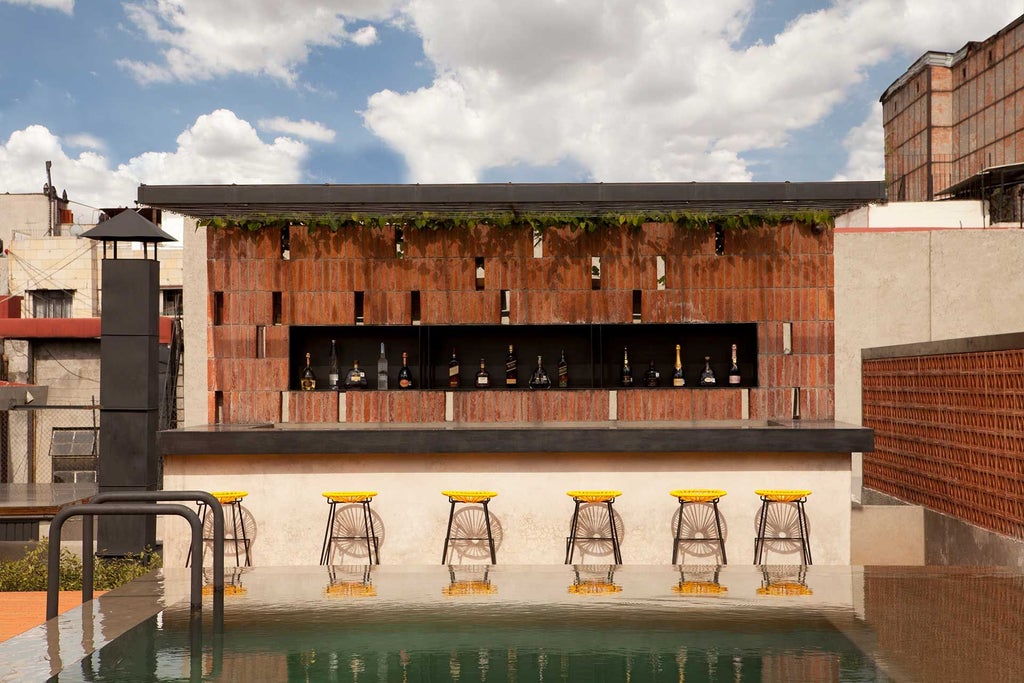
307 380
539 379
332 368
483 378
355 378
652 377
454 380
405 375
563 371
382 370
707 375
678 380
626 374
734 370
511 368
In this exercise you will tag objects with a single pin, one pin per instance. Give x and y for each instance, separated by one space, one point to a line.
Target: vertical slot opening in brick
638 305
478 266
218 308
286 251
261 341
504 306
660 270
359 302
595 272
414 307
399 242
218 407
275 308
719 240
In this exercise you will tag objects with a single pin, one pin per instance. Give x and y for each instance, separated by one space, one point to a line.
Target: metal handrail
53 558
156 496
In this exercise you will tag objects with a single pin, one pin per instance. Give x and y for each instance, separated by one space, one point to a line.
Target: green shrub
29 573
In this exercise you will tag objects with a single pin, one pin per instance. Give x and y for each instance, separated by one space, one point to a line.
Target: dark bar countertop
744 436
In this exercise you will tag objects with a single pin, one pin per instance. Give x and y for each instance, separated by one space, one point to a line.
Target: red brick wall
768 276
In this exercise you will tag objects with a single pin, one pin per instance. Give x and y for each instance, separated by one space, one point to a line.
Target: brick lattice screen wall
949 434
767 276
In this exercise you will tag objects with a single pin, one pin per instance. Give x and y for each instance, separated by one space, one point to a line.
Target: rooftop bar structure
594 273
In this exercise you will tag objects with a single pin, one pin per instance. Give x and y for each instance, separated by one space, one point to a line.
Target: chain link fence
53 443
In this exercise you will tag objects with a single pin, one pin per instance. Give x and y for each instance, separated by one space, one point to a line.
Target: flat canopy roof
587 199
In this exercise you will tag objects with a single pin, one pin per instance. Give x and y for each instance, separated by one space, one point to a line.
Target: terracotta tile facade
770 276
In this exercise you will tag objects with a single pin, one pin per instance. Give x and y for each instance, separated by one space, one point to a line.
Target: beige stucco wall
194 304
532 506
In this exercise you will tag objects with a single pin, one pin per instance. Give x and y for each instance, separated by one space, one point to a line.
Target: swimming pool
584 623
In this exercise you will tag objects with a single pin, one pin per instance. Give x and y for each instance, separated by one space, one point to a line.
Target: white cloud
864 145
642 89
219 148
310 130
201 40
84 141
66 6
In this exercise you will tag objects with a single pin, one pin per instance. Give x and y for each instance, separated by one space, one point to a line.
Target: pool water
589 623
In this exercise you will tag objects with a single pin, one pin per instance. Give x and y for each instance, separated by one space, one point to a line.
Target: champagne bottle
355 378
511 368
626 374
563 371
652 377
677 377
734 369
483 378
707 375
307 380
332 369
539 379
404 375
382 370
453 371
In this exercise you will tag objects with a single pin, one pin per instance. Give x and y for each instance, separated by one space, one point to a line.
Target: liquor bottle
453 371
734 369
563 371
307 380
652 377
404 375
382 370
539 379
355 378
483 378
707 375
511 368
332 369
677 377
626 374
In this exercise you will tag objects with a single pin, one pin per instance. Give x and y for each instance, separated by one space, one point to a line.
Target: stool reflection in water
782 522
353 581
239 526
588 527
597 579
783 580
355 523
699 581
469 580
470 526
699 526
232 581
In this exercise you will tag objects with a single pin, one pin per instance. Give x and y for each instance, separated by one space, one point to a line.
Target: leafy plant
29 573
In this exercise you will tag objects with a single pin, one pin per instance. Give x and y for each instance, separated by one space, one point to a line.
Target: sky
117 94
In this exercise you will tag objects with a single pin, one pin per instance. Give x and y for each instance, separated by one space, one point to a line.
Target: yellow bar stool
579 498
700 529
361 498
795 498
469 498
235 533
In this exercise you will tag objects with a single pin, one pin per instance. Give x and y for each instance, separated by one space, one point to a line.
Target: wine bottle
404 375
626 374
563 371
332 369
454 380
355 378
539 379
511 368
707 375
382 370
307 380
677 377
734 369
483 378
652 377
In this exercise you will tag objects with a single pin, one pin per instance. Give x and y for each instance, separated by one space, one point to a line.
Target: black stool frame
679 527
803 529
369 533
448 534
237 523
570 542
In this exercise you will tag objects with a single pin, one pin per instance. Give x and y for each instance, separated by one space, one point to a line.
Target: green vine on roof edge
536 222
